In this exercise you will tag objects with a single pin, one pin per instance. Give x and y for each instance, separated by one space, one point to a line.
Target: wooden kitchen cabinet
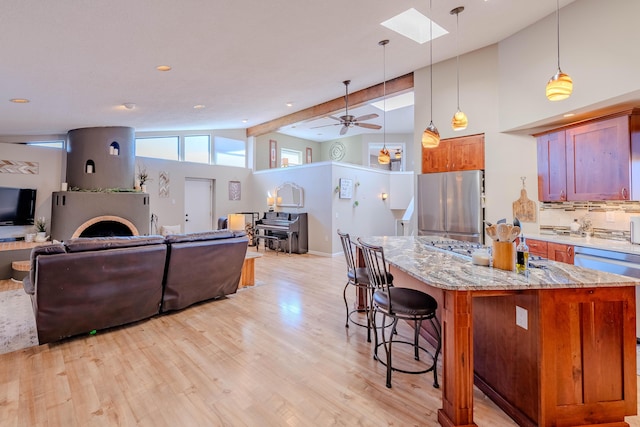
560 252
590 161
599 160
552 167
537 247
553 251
454 154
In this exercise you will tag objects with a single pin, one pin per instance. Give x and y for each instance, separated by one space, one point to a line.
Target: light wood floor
276 354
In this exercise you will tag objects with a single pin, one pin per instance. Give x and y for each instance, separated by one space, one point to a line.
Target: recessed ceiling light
289 104
163 68
414 25
569 115
19 100
395 102
129 105
245 120
199 106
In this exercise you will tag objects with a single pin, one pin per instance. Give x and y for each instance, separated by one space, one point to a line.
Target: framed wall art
346 188
235 192
309 155
273 154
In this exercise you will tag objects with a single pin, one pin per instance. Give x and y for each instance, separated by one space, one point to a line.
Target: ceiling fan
348 120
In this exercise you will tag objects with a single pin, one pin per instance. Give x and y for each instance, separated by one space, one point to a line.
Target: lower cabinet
553 251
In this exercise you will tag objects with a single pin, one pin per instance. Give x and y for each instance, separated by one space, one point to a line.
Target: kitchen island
554 347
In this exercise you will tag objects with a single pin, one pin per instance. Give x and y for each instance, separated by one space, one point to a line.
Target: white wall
326 211
47 180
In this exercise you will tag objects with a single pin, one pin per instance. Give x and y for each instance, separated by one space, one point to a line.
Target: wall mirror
289 195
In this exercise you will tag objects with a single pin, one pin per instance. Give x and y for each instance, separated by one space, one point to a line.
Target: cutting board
524 209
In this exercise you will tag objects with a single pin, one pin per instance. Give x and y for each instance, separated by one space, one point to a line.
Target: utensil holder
504 256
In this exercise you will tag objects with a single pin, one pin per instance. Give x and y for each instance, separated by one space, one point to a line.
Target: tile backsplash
610 220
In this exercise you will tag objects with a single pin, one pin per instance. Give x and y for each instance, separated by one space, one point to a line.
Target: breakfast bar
555 346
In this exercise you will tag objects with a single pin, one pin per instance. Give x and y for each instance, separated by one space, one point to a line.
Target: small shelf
89 166
114 149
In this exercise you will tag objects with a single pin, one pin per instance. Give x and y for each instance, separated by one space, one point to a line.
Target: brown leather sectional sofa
89 284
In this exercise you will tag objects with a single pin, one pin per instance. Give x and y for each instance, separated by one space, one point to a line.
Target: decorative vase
41 236
143 188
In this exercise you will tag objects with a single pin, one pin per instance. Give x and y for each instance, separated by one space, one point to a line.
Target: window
159 147
196 148
229 152
50 144
290 157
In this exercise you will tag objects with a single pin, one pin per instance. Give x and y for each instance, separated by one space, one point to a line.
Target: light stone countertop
591 242
447 270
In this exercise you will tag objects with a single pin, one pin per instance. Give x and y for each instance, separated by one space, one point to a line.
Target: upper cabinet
454 154
590 161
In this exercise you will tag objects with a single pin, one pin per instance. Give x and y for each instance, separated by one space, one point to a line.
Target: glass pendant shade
383 157
398 154
459 121
559 86
430 137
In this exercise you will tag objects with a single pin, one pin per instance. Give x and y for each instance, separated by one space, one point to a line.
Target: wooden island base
572 364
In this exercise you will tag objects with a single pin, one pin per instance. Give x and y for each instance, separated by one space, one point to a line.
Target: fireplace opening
106 226
106 229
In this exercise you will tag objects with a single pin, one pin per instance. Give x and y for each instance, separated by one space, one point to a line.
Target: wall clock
337 151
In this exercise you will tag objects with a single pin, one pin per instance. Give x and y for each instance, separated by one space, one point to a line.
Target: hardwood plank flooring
276 354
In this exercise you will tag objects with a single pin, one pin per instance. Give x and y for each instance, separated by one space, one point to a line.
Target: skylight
395 102
414 25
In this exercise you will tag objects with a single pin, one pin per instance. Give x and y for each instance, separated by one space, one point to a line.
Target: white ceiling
78 61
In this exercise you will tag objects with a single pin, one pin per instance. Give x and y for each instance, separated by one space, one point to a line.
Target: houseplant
143 176
41 229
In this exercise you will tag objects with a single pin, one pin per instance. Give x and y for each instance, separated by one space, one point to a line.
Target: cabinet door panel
598 160
467 153
552 167
537 247
436 159
560 252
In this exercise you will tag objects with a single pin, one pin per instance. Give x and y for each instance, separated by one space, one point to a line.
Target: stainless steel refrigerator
450 205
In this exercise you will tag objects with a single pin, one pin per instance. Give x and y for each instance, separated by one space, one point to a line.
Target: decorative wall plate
337 151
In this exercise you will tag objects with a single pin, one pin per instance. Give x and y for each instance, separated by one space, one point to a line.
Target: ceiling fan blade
334 118
367 117
324 126
368 125
344 129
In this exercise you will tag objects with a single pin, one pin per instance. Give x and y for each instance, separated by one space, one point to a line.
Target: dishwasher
612 262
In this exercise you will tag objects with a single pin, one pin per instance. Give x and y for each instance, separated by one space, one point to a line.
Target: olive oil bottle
522 256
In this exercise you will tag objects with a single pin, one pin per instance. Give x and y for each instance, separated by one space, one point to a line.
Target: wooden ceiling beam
399 84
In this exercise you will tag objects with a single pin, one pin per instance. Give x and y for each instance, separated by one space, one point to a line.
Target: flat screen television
17 206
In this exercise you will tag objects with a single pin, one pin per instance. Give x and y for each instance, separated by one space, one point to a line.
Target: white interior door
198 207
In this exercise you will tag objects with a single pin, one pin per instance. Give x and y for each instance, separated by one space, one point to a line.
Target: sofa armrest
28 286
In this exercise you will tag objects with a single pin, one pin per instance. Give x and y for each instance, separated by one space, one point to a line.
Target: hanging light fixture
459 121
560 85
430 136
384 158
398 154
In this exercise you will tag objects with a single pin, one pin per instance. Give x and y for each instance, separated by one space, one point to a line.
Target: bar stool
358 277
407 304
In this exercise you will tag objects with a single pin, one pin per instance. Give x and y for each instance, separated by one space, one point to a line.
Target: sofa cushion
54 248
205 235
82 244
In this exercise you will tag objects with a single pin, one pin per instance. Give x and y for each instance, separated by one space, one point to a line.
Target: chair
397 303
358 277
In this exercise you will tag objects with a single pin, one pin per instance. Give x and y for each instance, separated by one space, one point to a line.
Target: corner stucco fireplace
97 159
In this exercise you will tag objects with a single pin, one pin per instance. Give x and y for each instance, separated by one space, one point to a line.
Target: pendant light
459 121
560 84
384 158
430 136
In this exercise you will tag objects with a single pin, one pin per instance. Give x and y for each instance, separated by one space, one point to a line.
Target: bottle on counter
575 227
522 256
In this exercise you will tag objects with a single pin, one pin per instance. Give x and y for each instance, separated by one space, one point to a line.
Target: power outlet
522 318
610 216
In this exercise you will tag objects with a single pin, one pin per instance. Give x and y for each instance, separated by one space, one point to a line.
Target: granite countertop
587 242
451 271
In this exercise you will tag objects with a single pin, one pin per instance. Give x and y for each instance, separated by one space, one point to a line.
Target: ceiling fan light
559 86
430 137
459 121
383 156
